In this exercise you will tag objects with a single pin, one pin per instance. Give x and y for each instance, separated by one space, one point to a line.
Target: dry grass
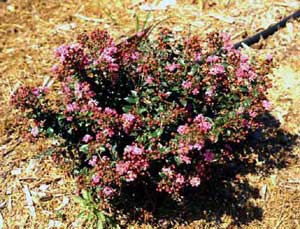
31 29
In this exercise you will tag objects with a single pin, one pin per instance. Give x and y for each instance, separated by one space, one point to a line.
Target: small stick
29 201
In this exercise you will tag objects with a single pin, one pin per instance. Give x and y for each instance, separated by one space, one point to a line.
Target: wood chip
1 221
29 201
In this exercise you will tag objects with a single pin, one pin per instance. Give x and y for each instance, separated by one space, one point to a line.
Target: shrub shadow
228 192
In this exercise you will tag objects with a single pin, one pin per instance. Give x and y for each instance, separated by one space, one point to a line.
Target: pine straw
30 30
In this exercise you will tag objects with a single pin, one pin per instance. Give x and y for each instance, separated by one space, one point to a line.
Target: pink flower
202 123
96 179
217 69
212 59
93 161
198 56
183 129
172 67
267 105
179 179
128 117
198 146
208 155
185 159
195 181
87 138
54 68
131 176
135 56
195 91
244 58
110 111
108 191
149 80
121 168
109 132
167 171
133 149
35 131
269 57
186 84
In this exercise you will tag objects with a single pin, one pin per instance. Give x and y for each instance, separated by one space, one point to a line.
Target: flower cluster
153 112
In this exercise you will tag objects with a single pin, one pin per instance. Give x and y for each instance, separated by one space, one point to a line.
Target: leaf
84 194
126 108
157 133
50 131
132 100
79 201
84 148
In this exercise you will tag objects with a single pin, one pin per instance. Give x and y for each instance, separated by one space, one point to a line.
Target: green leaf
132 100
126 108
157 133
50 131
79 201
134 93
181 62
84 148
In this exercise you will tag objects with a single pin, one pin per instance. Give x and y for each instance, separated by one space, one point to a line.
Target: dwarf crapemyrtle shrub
148 112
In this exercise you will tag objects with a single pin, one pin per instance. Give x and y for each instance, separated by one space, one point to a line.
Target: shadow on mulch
228 192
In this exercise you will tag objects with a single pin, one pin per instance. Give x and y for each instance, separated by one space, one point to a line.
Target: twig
1 221
29 201
82 17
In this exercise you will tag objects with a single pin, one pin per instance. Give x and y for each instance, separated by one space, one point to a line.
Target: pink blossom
195 181
87 138
167 171
183 129
185 159
269 57
133 149
96 179
212 59
149 80
121 168
195 91
172 67
252 114
109 132
54 68
128 117
179 179
198 146
93 161
135 56
113 67
217 69
267 105
228 45
36 91
131 176
108 191
69 108
186 84
202 123
244 58
198 56
35 131
208 155
110 111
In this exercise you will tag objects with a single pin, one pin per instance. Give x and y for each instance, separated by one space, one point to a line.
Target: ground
31 29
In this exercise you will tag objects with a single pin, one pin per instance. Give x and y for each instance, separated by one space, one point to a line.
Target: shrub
146 113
